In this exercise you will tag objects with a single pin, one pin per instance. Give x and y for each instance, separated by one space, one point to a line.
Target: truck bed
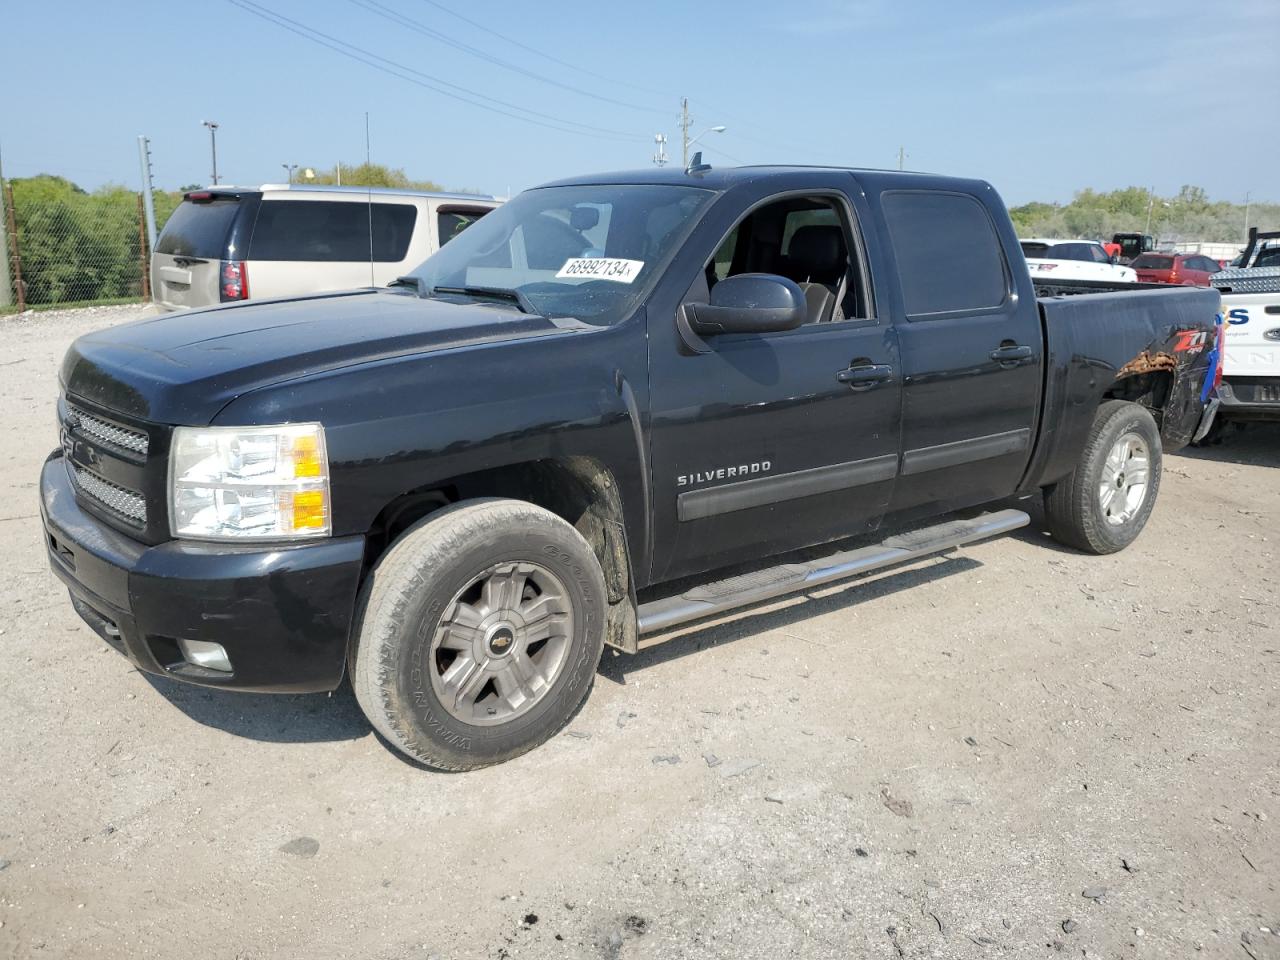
1092 342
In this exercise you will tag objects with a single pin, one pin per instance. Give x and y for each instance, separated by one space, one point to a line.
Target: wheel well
579 490
1151 389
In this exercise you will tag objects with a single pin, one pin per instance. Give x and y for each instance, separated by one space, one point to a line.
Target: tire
504 594
1079 511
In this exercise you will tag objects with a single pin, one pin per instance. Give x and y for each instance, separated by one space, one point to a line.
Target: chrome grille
129 505
95 428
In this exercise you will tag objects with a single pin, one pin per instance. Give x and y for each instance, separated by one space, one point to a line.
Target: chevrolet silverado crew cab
559 431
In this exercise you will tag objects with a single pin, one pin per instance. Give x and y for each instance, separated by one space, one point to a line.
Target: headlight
249 483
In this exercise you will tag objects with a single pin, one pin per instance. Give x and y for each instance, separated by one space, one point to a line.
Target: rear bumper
1250 398
282 613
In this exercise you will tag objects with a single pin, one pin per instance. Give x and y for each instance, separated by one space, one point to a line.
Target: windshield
590 252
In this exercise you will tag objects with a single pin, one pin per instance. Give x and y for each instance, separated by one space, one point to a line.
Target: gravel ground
1030 752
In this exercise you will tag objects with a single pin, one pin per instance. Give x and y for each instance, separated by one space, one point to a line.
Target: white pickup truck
1250 387
1052 260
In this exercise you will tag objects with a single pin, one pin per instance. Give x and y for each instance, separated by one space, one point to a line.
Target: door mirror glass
750 303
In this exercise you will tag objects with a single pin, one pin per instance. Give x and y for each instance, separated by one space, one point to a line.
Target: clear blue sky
1041 99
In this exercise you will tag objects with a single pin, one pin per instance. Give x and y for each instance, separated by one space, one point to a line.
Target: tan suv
235 243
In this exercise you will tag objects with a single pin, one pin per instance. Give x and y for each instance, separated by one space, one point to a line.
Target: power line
599 76
727 156
543 55
402 72
373 6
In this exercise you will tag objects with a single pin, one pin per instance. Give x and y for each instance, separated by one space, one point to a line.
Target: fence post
144 250
17 256
6 286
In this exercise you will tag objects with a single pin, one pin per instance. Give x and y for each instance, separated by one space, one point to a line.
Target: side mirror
1115 258
750 303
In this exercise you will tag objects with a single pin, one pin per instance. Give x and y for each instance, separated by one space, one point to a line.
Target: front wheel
479 635
1102 506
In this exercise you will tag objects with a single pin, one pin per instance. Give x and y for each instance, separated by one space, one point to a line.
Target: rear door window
199 229
949 256
320 230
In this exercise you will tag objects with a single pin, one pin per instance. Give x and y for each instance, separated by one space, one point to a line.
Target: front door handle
1010 353
866 375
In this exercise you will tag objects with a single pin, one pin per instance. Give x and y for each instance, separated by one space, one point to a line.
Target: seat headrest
818 250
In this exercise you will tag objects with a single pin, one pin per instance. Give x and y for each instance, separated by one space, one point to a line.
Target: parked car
1132 245
231 243
1187 269
1251 304
558 431
1054 260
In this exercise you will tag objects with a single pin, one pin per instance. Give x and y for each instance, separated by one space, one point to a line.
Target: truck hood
182 368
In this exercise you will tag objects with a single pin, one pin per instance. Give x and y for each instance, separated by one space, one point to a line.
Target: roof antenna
696 165
368 171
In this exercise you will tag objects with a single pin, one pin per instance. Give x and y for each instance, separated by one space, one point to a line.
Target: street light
288 169
719 128
213 146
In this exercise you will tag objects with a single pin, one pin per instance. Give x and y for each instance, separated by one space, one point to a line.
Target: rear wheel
1102 506
480 633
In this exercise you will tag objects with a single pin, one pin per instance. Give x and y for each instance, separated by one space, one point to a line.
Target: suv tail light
235 281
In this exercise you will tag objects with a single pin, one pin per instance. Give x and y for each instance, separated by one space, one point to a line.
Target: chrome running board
721 596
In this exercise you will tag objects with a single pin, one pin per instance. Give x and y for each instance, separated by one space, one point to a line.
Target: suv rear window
331 230
1151 262
199 229
948 254
1088 252
451 221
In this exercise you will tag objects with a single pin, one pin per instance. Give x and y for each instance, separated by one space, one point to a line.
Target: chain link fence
67 247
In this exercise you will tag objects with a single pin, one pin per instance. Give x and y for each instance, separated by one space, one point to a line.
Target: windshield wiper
497 293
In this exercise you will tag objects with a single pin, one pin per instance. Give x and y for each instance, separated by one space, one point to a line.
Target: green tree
366 175
76 245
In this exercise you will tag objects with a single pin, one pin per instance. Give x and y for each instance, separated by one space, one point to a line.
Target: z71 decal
1191 341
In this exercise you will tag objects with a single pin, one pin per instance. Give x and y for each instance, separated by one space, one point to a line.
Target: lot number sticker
600 268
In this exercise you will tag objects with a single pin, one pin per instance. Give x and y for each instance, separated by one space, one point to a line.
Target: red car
1188 269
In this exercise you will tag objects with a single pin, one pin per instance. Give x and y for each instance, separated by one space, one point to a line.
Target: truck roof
722 178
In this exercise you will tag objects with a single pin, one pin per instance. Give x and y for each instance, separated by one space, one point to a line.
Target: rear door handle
1011 353
866 375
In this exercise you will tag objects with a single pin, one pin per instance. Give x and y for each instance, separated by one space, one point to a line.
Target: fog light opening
202 653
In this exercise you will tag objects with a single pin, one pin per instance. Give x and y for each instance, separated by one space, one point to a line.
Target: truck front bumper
1250 398
283 614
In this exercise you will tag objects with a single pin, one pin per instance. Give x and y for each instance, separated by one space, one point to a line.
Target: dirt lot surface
1014 751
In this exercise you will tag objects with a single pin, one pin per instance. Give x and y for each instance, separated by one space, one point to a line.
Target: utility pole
687 141
1151 202
148 199
6 288
902 157
1247 197
684 132
213 146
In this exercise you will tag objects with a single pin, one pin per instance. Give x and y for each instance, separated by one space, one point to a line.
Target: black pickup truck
458 489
